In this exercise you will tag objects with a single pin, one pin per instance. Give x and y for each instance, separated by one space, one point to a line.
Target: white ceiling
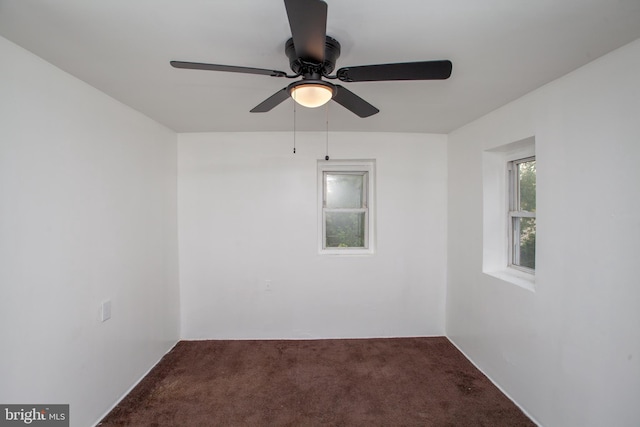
500 49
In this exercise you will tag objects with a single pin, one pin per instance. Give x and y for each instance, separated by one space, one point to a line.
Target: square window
345 189
346 217
345 229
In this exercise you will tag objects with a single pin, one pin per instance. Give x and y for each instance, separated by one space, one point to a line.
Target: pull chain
326 157
294 122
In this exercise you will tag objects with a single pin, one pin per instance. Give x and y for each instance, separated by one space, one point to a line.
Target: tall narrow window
522 214
345 203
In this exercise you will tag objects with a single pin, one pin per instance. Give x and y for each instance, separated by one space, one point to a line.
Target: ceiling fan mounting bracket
303 66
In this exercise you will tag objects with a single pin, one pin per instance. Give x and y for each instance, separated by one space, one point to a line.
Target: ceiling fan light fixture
311 95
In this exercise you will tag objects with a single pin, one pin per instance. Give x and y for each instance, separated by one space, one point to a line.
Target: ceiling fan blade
308 22
228 68
425 70
272 101
353 102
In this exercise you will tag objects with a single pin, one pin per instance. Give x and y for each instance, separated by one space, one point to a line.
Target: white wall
248 213
87 213
569 352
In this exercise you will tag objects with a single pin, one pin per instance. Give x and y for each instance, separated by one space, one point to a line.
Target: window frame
495 205
356 167
514 212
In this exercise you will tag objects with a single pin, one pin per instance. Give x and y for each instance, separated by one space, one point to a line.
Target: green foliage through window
345 229
523 215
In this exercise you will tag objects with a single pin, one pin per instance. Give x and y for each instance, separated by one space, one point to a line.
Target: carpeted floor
361 382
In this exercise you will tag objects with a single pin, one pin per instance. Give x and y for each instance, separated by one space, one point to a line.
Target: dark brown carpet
355 382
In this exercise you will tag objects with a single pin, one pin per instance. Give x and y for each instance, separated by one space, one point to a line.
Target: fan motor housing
303 67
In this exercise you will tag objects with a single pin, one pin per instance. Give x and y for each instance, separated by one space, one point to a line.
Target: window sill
346 252
516 277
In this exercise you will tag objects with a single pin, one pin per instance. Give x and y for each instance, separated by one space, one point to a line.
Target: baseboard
312 338
97 423
495 383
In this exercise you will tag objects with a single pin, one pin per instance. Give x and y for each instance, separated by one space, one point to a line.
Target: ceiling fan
312 55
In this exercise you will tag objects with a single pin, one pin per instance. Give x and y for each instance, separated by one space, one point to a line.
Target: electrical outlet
267 285
105 311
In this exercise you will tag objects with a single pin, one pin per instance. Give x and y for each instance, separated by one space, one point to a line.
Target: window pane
524 231
345 229
527 185
344 190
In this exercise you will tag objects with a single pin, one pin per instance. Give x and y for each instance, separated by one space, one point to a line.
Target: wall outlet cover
105 311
